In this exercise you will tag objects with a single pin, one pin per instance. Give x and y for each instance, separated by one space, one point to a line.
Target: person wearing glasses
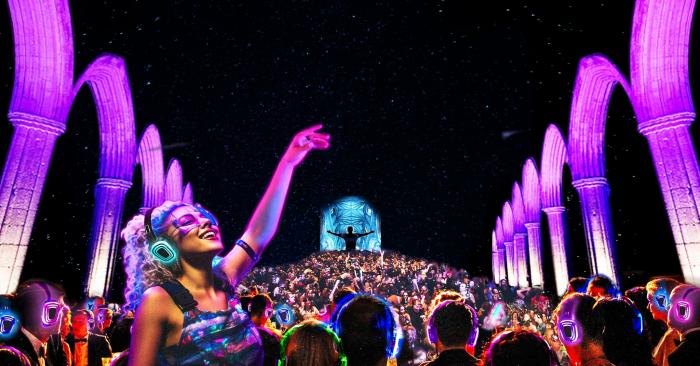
186 308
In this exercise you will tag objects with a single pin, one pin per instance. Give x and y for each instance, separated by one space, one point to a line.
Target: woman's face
194 230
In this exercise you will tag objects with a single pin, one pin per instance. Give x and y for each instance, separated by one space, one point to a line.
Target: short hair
519 347
341 294
25 298
258 304
618 326
314 344
666 283
454 323
368 330
578 284
89 314
603 282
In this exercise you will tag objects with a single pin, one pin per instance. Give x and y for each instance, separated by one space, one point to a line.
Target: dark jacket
688 351
23 351
98 347
453 357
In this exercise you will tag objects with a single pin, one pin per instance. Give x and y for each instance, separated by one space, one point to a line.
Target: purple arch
596 79
659 56
187 195
519 235
173 181
531 203
508 236
42 97
554 156
107 79
150 158
500 240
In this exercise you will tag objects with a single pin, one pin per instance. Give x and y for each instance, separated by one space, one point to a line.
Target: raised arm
263 224
365 234
332 233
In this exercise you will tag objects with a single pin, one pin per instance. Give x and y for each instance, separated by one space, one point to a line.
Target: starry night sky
433 107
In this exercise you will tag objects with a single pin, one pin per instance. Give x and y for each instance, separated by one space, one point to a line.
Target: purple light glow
187 195
531 201
520 235
500 242
511 253
150 158
173 181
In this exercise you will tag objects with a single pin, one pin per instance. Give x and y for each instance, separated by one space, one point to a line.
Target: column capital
114 183
555 209
590 182
35 122
519 235
666 122
532 225
508 244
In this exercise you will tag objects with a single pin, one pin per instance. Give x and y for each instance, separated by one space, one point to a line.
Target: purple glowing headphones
51 311
432 329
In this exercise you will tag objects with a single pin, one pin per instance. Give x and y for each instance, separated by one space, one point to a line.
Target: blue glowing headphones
432 329
51 311
9 321
161 248
342 358
638 318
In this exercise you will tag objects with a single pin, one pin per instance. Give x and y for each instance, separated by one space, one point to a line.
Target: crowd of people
362 308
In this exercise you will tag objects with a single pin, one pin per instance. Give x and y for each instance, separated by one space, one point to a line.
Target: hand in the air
305 141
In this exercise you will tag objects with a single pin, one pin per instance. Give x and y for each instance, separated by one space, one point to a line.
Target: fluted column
519 241
511 264
20 189
534 245
104 237
502 264
558 236
594 194
677 171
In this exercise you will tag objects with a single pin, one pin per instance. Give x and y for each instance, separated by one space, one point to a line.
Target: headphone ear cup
163 249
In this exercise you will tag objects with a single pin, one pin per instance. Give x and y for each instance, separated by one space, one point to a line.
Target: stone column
594 194
519 241
677 171
511 264
558 234
534 245
502 264
22 182
104 237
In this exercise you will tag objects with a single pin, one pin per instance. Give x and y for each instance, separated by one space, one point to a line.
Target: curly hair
142 270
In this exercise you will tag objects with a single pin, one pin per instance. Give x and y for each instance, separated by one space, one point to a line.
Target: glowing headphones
342 358
568 327
661 299
432 329
51 311
9 321
685 302
284 314
161 248
638 320
390 324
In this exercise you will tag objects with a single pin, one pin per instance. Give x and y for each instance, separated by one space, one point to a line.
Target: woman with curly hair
182 293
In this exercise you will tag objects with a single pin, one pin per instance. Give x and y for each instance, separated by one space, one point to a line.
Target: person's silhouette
350 237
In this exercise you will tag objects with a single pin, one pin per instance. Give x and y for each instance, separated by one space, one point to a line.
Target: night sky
432 106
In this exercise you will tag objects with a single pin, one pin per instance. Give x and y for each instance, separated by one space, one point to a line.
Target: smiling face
195 231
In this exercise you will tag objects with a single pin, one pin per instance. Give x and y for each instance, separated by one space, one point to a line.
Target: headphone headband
148 225
342 357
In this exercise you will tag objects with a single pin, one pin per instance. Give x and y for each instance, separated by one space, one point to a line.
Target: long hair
142 270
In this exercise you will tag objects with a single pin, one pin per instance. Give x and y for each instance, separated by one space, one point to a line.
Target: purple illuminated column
510 264
519 242
556 218
187 195
597 223
109 203
535 253
502 262
677 171
20 189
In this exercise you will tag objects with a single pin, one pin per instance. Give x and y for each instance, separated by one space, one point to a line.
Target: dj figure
350 237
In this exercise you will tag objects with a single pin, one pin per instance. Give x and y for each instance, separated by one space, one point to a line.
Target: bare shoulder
156 302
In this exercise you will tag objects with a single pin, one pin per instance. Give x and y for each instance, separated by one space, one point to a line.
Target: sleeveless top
225 337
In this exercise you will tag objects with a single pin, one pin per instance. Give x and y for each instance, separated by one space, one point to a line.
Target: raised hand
305 141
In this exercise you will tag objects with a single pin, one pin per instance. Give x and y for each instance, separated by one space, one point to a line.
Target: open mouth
208 234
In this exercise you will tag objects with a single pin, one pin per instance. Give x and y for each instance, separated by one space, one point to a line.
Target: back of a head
577 284
258 304
38 304
311 343
367 329
574 316
601 286
452 323
444 295
621 328
684 314
519 348
341 293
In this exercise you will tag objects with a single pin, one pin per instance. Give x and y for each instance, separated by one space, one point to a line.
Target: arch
532 208
108 82
173 181
511 254
519 235
150 158
664 108
501 248
187 195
